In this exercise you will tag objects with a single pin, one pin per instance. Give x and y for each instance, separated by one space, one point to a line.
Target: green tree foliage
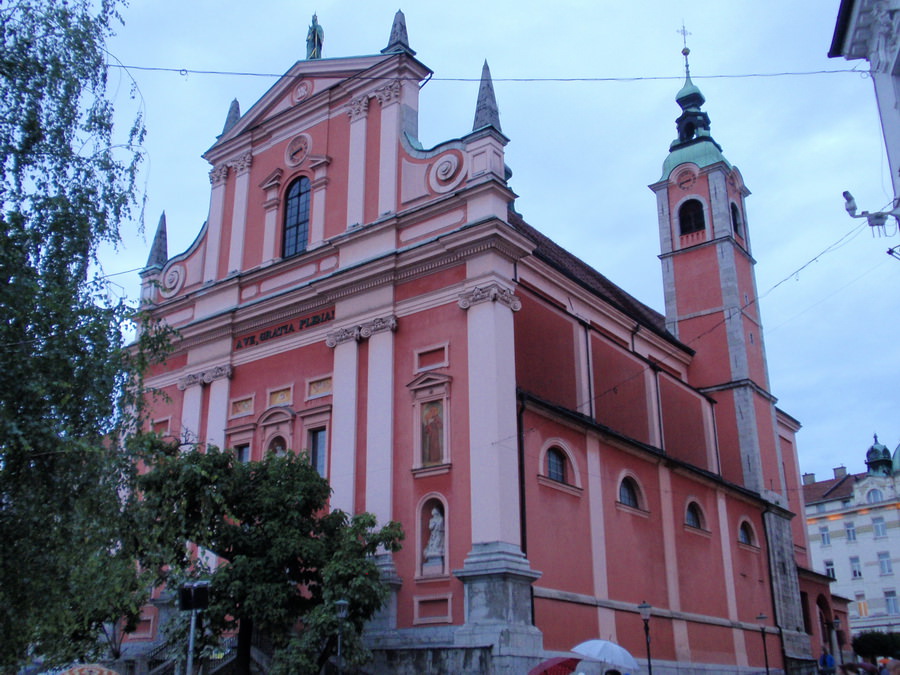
287 558
873 644
65 188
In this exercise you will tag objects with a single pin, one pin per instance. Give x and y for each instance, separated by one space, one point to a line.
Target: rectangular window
829 568
890 602
826 536
243 452
318 439
855 568
820 508
879 527
850 531
862 606
884 563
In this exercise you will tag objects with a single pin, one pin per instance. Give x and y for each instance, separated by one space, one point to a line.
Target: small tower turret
878 459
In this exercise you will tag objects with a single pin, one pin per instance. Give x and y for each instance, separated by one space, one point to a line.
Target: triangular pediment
429 379
302 85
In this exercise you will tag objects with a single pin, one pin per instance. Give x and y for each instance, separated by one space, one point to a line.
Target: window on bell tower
690 217
736 220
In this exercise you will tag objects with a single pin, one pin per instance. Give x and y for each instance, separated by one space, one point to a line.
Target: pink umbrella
558 665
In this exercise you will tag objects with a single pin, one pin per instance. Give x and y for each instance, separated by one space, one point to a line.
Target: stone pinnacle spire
399 41
159 251
486 112
234 114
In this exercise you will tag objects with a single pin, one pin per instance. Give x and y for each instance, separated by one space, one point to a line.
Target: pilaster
358 110
492 413
241 167
380 421
389 98
217 178
342 475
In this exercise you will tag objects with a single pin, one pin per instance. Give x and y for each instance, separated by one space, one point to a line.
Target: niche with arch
432 537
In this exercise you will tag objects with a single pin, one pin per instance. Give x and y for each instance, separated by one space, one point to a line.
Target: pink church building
558 452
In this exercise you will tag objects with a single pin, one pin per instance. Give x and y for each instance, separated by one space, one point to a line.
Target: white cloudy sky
583 152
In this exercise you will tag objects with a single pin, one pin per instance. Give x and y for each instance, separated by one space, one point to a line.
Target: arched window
736 219
693 517
873 496
629 493
556 465
745 534
296 217
690 216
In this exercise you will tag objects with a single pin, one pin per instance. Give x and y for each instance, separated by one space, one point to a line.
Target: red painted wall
545 351
621 397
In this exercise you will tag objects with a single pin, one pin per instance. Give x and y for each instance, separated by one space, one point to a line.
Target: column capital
358 107
205 376
218 175
361 331
242 164
490 293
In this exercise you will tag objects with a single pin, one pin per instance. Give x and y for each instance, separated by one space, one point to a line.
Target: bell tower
711 306
710 292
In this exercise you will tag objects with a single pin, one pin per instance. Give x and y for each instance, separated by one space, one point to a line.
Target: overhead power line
234 73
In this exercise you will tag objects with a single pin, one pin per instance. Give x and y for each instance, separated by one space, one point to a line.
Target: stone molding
242 164
218 175
358 107
362 331
205 376
388 93
883 39
491 293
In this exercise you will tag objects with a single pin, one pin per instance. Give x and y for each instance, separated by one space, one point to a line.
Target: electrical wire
184 72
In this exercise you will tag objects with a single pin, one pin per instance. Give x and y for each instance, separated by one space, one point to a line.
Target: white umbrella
608 653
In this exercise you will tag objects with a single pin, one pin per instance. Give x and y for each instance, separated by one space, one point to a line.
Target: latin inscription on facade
283 329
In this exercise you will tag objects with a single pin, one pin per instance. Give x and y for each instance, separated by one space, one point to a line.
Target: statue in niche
434 550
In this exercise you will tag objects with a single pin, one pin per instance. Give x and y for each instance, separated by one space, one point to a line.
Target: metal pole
190 659
647 638
340 659
762 631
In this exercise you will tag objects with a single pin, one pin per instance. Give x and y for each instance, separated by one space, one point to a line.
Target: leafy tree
287 558
872 644
65 188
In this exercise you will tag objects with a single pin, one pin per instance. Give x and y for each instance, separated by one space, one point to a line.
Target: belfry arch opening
690 217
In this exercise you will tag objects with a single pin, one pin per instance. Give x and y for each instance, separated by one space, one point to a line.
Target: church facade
558 453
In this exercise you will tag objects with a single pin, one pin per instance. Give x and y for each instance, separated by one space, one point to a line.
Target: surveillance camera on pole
875 219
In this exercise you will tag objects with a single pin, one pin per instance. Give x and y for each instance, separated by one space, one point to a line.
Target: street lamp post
341 607
762 618
837 636
644 609
193 597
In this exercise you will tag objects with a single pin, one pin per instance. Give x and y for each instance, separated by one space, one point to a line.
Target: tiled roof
585 275
832 489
